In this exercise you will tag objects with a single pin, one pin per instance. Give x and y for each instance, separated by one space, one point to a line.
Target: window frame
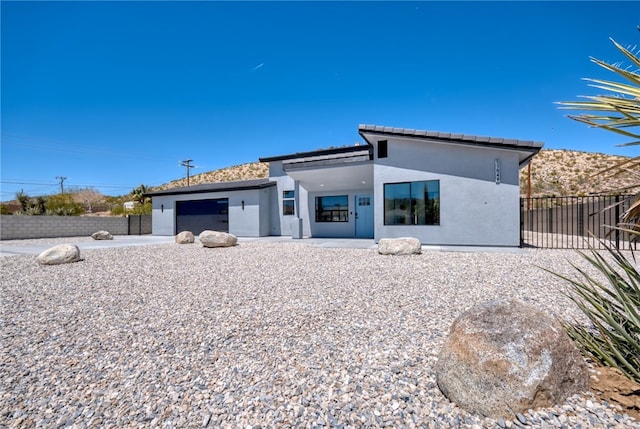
411 215
288 202
341 212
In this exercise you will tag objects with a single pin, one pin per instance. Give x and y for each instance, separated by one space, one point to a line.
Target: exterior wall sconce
242 204
161 208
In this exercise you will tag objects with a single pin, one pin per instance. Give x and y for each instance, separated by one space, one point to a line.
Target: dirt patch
608 384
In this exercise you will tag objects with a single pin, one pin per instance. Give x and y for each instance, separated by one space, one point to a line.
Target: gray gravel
258 335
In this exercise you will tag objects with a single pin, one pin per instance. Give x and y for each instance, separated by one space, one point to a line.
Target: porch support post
296 226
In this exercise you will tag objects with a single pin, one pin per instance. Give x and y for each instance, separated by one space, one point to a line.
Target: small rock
102 235
185 237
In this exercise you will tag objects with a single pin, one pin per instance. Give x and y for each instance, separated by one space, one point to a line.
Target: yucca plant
612 301
619 112
612 304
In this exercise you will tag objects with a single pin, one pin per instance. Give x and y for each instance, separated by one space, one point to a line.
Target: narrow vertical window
288 203
382 149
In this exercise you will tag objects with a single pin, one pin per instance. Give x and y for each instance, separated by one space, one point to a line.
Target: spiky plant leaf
622 104
611 302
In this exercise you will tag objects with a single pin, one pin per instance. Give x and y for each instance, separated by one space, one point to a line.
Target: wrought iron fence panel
575 222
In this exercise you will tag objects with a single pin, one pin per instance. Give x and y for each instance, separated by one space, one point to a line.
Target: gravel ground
258 335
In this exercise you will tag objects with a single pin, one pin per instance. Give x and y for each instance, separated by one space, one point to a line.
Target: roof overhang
526 149
334 177
242 185
334 153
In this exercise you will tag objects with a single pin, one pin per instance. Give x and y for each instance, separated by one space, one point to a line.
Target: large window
288 204
412 203
332 209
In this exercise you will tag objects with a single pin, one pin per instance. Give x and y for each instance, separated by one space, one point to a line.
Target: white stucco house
442 188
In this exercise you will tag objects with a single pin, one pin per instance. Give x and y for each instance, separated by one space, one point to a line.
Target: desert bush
62 205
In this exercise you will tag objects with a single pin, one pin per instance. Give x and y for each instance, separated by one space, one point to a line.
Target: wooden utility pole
187 163
61 179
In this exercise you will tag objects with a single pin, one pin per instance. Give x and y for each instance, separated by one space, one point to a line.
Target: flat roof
449 137
215 187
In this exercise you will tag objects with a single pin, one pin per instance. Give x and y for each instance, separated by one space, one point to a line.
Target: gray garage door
199 215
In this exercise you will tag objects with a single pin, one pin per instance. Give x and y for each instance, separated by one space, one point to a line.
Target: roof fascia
183 191
450 141
320 152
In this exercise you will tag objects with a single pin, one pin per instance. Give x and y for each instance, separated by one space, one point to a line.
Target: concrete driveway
38 245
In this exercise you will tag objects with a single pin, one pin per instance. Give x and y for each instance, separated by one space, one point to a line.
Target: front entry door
364 216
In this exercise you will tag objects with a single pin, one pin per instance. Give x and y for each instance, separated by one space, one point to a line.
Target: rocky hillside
252 170
568 172
553 173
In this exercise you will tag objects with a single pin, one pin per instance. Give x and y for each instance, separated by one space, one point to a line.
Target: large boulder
217 239
185 237
60 254
399 246
505 357
102 235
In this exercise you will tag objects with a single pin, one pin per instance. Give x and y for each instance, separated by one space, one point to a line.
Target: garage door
199 215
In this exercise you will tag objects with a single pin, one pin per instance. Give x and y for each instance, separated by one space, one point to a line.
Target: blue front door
364 216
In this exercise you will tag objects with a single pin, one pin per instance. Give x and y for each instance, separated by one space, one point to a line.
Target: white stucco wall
281 225
245 222
163 215
474 210
267 200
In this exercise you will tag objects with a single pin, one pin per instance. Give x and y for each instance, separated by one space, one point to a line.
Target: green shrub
62 205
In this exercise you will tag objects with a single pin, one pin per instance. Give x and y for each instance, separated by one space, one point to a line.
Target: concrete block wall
22 227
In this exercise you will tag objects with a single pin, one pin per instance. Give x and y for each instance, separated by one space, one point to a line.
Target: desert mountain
553 173
567 172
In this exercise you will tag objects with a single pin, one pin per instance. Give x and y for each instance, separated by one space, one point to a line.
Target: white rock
185 237
102 235
60 254
399 246
217 239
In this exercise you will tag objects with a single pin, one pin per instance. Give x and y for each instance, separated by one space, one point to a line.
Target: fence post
617 220
580 218
522 221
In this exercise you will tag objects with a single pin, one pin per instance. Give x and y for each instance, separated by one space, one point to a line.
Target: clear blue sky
114 94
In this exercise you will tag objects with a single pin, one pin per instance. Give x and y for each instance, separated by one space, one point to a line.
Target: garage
199 215
241 208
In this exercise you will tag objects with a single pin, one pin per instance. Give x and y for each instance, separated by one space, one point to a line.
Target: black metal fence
574 222
139 224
